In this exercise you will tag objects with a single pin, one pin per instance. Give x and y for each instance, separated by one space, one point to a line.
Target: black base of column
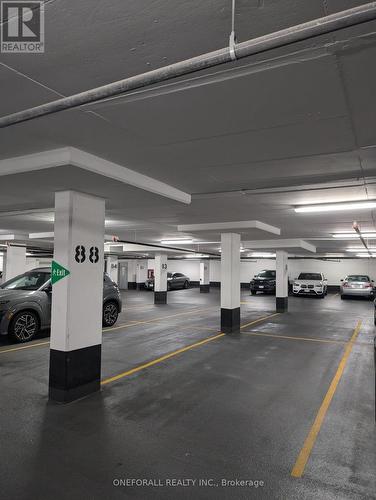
140 286
281 304
160 297
132 285
230 320
74 374
205 288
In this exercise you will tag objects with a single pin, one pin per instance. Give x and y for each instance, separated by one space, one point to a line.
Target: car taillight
368 285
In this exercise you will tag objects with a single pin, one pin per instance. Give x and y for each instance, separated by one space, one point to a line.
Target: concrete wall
334 270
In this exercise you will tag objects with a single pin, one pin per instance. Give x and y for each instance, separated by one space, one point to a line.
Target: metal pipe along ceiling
321 26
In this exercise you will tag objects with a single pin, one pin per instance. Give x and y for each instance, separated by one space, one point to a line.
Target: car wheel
110 313
343 297
253 292
186 284
322 296
24 326
168 286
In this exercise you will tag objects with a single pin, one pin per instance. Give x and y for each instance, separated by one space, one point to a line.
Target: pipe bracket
232 46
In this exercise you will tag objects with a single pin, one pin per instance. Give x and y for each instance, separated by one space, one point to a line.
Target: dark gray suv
25 304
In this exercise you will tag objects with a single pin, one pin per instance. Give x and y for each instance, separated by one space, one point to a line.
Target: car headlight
296 284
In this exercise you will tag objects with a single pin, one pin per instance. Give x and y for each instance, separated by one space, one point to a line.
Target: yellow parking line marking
126 325
24 347
260 319
159 360
128 308
310 339
179 351
309 443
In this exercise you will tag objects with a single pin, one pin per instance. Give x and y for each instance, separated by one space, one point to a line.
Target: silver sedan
357 285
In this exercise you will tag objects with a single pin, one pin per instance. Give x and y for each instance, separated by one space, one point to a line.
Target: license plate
261 286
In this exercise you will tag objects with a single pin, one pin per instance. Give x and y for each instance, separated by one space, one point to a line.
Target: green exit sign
58 272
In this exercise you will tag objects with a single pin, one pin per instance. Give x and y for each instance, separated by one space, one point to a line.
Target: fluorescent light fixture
336 207
359 249
261 255
196 255
347 236
242 250
177 242
365 255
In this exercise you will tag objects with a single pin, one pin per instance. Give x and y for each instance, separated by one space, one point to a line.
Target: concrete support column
77 299
141 274
205 276
14 262
113 267
230 283
132 280
160 279
282 290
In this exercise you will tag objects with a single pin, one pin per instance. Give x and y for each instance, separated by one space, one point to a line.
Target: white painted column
14 262
282 290
205 276
230 282
141 274
77 300
160 279
132 280
113 267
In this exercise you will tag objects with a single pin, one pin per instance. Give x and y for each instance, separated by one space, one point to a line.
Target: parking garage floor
292 394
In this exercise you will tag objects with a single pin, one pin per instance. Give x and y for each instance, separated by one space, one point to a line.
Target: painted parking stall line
305 453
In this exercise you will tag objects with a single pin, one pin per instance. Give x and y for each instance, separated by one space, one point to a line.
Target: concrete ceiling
248 140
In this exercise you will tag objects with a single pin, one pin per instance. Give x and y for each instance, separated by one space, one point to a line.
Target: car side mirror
341 280
255 275
48 289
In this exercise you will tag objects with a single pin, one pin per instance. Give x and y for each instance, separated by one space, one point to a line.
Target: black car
174 280
263 282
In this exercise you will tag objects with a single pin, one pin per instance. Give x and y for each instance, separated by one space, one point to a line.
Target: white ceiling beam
81 159
139 248
279 244
230 226
41 236
12 237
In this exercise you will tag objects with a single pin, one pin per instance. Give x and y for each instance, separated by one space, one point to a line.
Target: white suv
310 284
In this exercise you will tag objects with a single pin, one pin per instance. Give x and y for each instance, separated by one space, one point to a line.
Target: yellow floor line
179 351
127 325
24 347
258 320
133 323
310 339
159 360
309 443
